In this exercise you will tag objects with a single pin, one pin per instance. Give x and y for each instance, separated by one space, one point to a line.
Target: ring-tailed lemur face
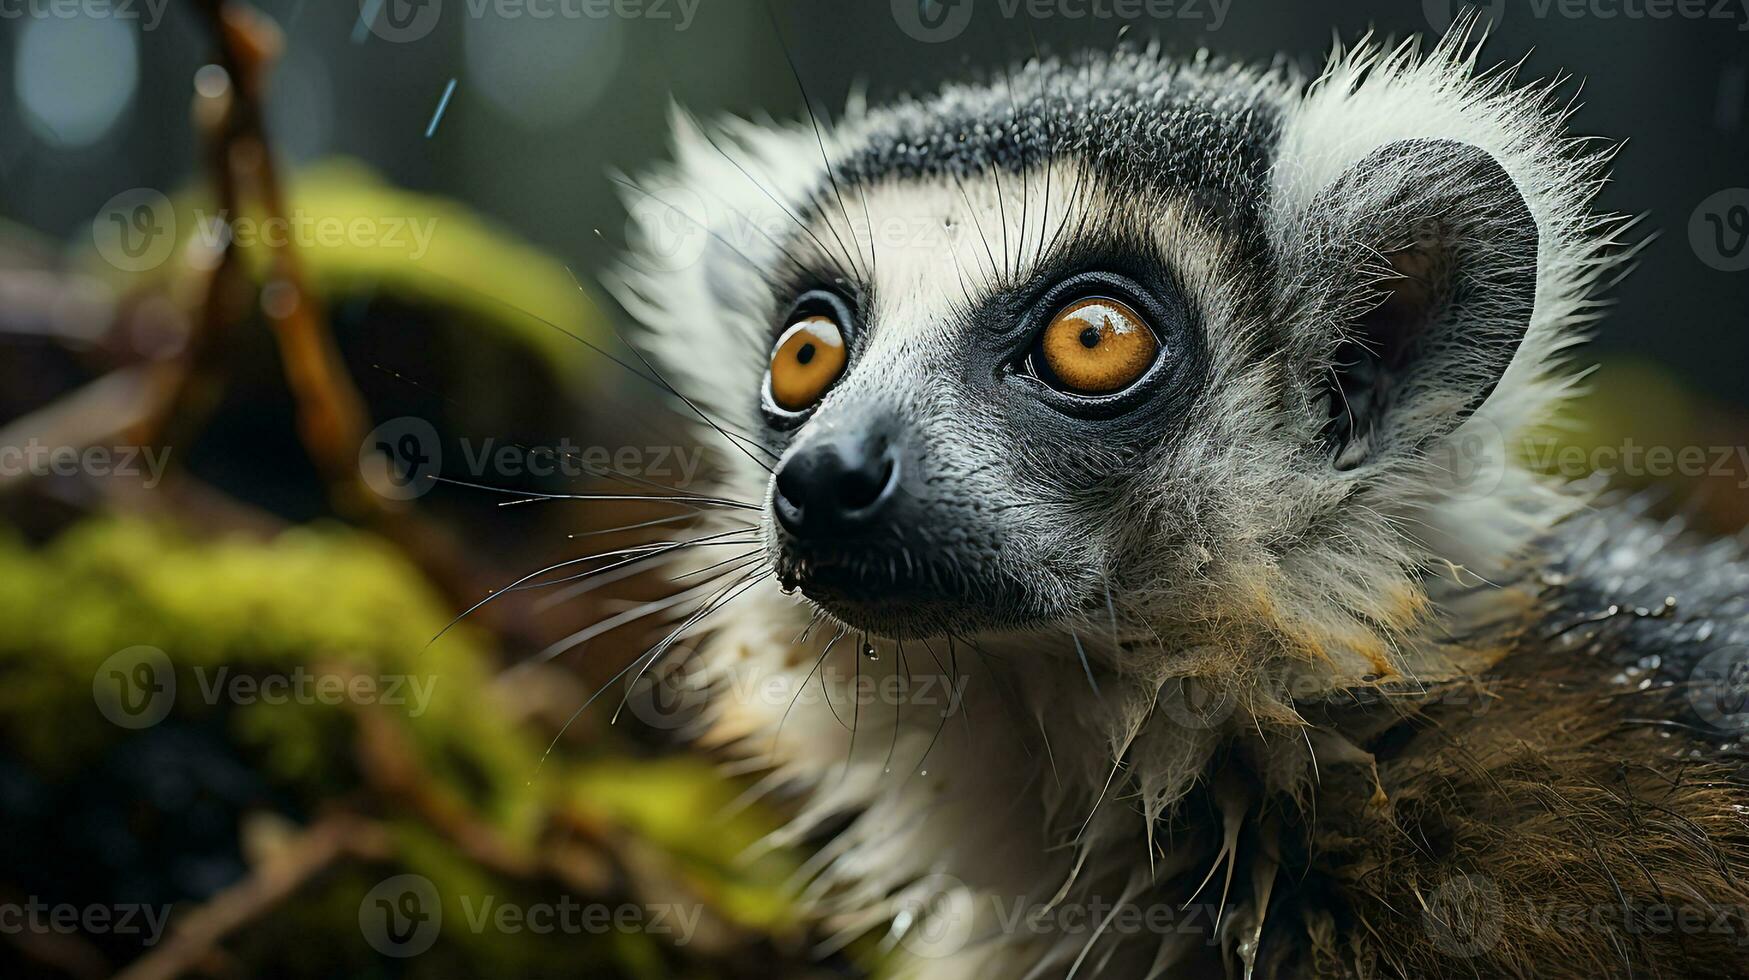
964 459
1013 353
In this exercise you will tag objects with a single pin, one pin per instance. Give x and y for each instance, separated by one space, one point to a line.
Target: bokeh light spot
75 76
542 72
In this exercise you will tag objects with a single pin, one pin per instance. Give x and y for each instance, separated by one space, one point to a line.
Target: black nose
836 483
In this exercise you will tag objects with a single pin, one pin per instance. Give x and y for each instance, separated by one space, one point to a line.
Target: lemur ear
1431 252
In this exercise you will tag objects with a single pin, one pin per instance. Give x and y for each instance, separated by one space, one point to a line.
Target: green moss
311 607
356 234
331 602
665 802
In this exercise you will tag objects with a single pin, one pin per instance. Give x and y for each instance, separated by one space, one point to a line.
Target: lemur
1164 410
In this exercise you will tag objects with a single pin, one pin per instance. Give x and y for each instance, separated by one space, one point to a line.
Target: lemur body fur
1284 667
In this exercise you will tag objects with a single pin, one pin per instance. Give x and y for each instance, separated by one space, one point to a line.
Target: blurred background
267 269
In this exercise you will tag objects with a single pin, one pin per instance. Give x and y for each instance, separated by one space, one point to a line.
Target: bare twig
332 418
331 413
394 771
198 933
65 953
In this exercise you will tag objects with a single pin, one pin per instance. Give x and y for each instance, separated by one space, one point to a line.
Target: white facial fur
1240 566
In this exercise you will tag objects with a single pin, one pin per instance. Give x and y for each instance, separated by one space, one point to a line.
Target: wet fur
1336 713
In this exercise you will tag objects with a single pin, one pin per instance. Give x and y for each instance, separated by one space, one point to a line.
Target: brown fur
1537 824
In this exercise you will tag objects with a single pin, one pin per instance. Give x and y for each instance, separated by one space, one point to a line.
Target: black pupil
1090 337
805 354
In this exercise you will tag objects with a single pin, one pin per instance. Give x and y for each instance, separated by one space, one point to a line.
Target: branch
197 935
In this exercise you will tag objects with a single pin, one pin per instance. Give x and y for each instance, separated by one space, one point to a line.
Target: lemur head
1121 333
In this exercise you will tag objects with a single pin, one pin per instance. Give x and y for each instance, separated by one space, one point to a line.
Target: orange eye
809 357
1096 347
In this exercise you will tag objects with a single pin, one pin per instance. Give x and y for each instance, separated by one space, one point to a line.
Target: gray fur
1229 564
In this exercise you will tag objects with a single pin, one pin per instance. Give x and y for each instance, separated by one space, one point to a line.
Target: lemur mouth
898 596
849 533
844 578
